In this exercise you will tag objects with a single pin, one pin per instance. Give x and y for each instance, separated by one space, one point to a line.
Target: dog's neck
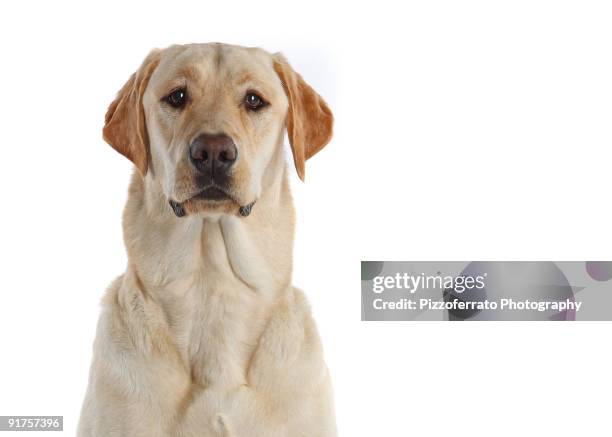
220 273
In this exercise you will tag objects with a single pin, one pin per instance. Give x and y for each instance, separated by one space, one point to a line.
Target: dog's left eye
254 102
177 98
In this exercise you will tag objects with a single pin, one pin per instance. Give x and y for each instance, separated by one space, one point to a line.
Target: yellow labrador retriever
203 335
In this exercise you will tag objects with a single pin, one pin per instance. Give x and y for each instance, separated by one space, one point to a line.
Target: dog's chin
211 201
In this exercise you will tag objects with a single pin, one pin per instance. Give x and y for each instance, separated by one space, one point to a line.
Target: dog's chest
216 326
216 330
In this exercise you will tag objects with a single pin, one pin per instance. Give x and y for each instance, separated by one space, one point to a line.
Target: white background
465 131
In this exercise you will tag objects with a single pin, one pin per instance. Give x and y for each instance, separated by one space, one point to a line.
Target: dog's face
206 120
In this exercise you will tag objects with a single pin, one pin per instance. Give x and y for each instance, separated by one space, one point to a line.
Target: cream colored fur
203 335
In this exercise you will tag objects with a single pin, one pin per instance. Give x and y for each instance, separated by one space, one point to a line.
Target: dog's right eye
176 98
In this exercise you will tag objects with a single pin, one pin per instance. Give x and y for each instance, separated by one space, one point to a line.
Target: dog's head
205 121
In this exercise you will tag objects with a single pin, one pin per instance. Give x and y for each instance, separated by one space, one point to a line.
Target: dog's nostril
228 155
197 152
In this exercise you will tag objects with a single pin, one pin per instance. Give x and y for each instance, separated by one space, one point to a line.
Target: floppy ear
309 119
125 128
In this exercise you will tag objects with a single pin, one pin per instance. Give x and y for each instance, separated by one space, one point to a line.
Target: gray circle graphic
599 270
371 269
519 281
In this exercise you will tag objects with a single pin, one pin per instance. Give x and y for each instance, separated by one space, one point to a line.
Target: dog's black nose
213 153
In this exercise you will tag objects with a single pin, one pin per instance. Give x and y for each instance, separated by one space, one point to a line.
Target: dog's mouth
212 195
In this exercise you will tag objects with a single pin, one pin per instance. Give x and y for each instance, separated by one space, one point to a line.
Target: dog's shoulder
132 320
133 351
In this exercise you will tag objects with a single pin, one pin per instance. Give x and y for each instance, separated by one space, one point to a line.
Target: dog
204 335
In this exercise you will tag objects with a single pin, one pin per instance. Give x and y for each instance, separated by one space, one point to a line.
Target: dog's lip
212 192
209 193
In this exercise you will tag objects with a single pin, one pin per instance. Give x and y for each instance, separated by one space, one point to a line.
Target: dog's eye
254 102
177 98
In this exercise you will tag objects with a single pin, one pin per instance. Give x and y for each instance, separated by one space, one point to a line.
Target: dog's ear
309 119
124 125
